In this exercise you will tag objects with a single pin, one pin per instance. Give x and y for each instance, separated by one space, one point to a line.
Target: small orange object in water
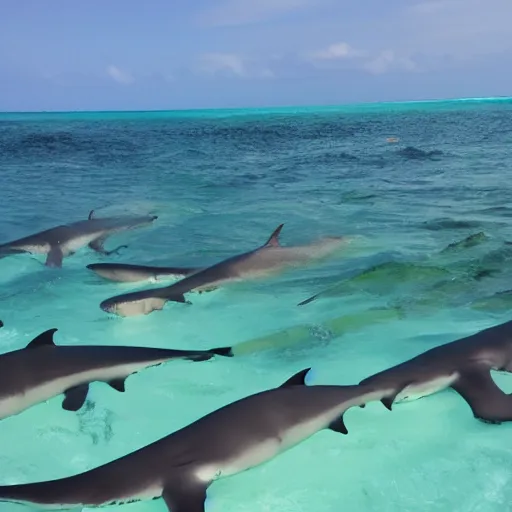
392 139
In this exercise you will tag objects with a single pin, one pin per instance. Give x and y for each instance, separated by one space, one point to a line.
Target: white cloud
231 63
386 61
414 35
378 62
336 51
119 75
213 63
241 12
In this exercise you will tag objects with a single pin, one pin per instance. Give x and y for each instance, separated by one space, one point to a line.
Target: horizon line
287 107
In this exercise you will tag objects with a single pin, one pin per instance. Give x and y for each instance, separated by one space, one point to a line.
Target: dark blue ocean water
221 182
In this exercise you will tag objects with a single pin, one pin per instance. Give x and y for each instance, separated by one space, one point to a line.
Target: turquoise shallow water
220 183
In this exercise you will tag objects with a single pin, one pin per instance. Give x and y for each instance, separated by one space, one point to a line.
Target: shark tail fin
222 351
273 241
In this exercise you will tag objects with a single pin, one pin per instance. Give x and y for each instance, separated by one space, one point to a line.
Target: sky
180 54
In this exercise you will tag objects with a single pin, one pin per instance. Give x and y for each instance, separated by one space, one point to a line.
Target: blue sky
167 54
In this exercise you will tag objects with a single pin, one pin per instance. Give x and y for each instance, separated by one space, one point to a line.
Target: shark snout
109 306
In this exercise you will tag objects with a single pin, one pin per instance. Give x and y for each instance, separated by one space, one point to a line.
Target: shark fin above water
299 379
45 339
273 241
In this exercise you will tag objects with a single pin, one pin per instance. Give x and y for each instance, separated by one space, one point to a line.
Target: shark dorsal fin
273 241
91 213
299 379
45 339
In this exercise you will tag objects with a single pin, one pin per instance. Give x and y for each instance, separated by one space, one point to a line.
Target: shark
129 273
181 466
43 370
379 278
463 365
62 241
266 260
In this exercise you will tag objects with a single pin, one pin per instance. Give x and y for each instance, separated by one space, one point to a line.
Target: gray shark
266 260
62 241
464 365
43 370
127 273
180 467
380 277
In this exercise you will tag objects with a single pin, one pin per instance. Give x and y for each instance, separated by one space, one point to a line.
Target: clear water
220 183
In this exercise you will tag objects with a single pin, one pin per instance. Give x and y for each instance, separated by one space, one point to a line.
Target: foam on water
220 185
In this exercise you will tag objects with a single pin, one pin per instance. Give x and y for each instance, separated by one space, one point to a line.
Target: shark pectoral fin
338 426
185 498
117 384
75 397
55 257
487 401
388 401
45 339
299 379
